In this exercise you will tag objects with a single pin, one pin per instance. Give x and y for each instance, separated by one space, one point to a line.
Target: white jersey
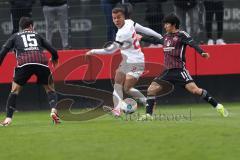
127 35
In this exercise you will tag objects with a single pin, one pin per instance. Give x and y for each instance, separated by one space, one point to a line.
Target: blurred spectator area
88 27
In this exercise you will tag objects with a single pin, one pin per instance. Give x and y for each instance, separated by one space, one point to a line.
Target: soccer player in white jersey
132 65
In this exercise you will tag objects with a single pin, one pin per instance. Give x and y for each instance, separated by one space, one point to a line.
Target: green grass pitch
203 136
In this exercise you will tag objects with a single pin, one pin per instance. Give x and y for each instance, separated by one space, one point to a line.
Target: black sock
205 95
11 104
52 99
150 103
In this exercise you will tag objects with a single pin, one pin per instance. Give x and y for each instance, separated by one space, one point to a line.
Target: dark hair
172 19
125 8
118 9
25 22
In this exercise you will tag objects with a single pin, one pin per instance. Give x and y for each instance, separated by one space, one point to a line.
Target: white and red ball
129 106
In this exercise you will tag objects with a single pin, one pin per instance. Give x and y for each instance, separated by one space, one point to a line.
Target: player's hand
54 63
88 53
205 55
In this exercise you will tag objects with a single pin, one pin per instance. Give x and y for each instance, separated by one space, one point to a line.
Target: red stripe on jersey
172 54
32 57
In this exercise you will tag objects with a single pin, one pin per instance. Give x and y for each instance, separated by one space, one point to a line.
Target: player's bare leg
11 104
129 84
194 89
52 99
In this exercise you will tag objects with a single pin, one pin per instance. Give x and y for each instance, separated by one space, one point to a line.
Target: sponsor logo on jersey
168 49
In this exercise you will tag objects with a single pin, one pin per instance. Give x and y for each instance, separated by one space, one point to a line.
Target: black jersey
28 46
174 47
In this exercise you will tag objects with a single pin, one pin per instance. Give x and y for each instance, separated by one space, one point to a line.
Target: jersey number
135 41
29 40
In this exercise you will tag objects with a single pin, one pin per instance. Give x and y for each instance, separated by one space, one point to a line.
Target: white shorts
133 69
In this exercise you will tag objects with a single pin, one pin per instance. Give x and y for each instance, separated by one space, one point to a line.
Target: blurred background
73 26
89 21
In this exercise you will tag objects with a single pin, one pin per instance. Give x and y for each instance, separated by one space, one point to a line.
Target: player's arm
188 40
147 31
6 48
152 40
52 51
108 49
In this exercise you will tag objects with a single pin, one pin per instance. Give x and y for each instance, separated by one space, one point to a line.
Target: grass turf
205 136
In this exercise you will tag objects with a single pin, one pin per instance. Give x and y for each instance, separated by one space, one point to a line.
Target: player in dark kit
174 46
28 46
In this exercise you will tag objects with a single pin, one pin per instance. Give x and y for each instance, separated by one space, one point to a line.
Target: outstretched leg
194 89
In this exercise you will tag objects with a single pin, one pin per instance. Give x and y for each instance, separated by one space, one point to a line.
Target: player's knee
126 89
118 82
153 90
15 91
196 91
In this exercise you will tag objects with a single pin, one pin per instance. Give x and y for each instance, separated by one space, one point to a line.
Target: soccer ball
129 106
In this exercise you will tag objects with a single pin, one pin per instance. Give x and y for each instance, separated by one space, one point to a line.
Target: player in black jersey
174 45
28 46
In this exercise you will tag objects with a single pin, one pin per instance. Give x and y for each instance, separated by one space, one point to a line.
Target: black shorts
24 73
176 76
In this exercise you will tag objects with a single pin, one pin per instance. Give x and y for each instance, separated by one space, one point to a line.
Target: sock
52 99
11 104
117 95
138 95
150 103
205 95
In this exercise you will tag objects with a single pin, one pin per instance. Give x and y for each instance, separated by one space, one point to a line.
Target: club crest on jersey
175 38
168 43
